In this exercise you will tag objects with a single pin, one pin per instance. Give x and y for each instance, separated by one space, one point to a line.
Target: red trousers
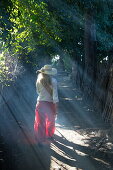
44 125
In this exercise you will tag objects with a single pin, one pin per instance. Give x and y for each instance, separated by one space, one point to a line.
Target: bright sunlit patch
55 58
67 146
80 153
67 98
57 164
106 58
71 136
100 160
65 86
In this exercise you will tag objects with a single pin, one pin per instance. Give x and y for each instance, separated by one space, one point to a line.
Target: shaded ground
78 129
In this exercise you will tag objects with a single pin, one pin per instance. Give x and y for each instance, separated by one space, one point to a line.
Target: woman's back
44 94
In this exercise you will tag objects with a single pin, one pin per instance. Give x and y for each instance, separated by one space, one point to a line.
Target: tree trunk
90 56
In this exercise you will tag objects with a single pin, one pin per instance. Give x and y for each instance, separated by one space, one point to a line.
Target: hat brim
52 72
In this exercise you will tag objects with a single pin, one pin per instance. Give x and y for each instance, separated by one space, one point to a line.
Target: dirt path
77 125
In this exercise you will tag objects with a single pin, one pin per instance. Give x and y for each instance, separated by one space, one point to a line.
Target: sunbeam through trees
75 37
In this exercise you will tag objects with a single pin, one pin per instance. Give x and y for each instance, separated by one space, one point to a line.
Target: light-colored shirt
44 95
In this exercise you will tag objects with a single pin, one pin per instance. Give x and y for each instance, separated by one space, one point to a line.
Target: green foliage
33 25
9 66
4 70
30 24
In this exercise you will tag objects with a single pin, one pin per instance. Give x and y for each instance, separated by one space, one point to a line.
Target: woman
46 107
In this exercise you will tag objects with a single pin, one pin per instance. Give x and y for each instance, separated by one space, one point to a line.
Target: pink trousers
44 125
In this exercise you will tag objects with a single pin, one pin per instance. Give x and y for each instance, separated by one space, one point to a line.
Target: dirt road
73 147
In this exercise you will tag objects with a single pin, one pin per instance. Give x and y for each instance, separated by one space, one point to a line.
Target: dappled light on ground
75 37
76 135
66 98
69 153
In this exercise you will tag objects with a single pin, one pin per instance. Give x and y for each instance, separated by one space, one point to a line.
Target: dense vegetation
32 32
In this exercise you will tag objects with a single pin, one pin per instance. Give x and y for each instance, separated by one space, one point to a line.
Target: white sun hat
47 69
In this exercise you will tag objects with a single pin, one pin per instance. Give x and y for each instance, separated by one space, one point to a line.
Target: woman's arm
37 88
55 92
56 108
55 96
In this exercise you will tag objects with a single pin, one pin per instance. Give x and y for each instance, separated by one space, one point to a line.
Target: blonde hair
45 80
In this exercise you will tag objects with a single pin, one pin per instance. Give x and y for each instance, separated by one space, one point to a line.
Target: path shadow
78 156
76 114
21 149
17 113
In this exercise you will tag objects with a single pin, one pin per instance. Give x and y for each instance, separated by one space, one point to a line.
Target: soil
80 141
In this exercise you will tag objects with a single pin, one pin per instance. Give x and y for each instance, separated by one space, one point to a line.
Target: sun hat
47 69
